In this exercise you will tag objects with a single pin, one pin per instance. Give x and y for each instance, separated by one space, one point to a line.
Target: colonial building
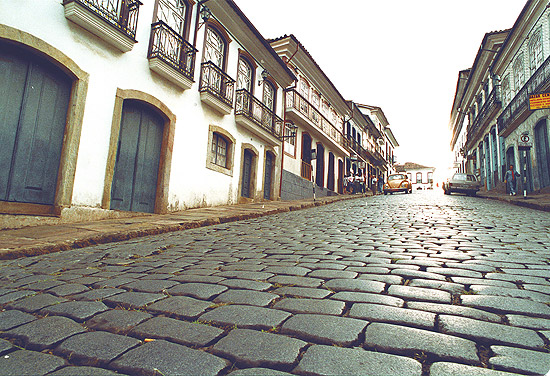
122 106
384 144
502 129
314 112
421 177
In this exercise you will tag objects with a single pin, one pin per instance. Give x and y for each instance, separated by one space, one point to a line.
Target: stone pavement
538 201
36 240
421 284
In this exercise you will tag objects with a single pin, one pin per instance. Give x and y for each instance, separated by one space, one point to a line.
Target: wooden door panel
13 75
33 119
147 163
138 157
42 126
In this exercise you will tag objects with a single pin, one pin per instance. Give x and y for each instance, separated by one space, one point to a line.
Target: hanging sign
539 101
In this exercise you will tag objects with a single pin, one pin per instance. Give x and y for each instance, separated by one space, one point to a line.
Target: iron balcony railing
252 108
122 14
366 151
295 101
485 115
217 82
170 47
538 82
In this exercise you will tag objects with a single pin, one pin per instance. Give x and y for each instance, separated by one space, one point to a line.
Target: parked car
397 183
461 183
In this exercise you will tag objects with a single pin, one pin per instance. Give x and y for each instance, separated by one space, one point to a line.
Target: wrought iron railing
295 101
170 47
539 81
491 104
305 171
217 82
252 108
122 14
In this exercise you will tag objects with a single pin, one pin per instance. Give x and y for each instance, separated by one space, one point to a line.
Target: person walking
510 179
374 185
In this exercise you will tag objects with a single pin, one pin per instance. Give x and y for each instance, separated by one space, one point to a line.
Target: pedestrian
510 179
345 183
381 183
374 185
362 182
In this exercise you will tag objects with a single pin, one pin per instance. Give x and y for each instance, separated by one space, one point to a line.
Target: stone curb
148 227
530 203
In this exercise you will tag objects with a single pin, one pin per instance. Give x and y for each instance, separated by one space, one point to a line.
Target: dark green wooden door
247 173
33 112
543 153
268 175
138 157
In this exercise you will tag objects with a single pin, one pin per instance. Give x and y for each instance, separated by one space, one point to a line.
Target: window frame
214 133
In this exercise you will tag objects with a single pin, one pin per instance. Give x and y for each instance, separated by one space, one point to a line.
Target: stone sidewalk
36 240
539 201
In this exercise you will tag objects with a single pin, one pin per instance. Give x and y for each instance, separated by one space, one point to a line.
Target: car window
472 178
396 177
460 177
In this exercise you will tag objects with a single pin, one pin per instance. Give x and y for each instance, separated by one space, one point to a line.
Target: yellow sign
538 101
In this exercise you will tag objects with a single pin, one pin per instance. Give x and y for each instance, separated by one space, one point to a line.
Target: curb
526 203
148 229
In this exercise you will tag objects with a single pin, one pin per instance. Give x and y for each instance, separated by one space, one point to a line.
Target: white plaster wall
191 183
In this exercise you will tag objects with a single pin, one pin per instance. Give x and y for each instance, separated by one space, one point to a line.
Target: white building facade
125 107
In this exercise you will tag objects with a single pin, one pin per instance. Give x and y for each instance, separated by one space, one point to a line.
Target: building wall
109 72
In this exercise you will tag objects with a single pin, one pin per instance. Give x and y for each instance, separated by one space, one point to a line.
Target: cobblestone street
422 284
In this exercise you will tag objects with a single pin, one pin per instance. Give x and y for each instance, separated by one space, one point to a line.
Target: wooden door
138 157
268 175
247 173
543 153
33 112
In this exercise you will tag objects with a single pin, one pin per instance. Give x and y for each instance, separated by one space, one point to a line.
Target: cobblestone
520 360
23 362
430 285
407 341
166 358
489 332
250 348
329 360
323 329
95 348
381 313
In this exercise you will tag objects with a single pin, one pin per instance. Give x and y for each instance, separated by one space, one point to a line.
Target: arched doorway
137 163
305 170
320 166
330 175
246 180
542 150
268 174
33 126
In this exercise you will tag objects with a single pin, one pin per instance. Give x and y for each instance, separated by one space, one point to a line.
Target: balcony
487 113
171 56
114 21
255 116
298 105
216 88
518 108
368 152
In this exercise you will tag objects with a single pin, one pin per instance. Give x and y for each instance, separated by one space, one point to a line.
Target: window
535 51
214 49
315 99
244 77
269 96
173 13
430 177
409 176
418 178
219 150
506 94
519 73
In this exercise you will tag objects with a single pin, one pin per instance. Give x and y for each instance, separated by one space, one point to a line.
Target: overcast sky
401 55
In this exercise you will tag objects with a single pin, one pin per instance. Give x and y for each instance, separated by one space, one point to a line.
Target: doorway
137 163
